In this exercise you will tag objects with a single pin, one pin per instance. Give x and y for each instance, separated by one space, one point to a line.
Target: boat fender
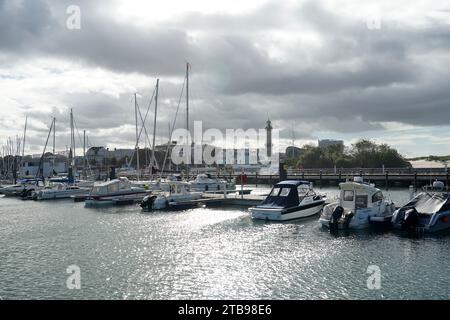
335 216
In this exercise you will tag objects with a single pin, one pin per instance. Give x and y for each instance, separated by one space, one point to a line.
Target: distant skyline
340 70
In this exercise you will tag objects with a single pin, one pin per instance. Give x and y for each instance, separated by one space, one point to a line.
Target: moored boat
178 193
115 192
359 204
60 191
289 200
429 211
205 183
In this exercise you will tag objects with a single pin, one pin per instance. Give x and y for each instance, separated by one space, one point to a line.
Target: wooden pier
217 200
389 177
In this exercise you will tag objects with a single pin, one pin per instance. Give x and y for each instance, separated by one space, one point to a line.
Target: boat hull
281 214
60 195
115 200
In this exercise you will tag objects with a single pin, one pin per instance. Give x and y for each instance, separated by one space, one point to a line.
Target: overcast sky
319 69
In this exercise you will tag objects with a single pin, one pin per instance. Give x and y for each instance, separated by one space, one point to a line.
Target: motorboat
289 200
115 192
358 205
159 184
60 191
178 194
204 182
429 211
23 188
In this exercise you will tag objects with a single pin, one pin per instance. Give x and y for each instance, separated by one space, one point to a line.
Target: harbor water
202 253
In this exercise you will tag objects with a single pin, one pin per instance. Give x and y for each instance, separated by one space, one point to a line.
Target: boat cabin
178 187
111 186
287 194
358 194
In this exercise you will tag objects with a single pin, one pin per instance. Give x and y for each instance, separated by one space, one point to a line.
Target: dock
216 200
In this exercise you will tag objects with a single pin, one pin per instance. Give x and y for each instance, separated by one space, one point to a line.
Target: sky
318 69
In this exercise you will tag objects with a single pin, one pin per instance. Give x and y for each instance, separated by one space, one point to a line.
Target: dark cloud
352 80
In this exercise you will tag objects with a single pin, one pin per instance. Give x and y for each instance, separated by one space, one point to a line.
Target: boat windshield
303 190
275 191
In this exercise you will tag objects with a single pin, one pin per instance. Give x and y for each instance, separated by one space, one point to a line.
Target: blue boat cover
283 195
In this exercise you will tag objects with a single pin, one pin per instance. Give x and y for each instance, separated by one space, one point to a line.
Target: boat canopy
430 203
284 195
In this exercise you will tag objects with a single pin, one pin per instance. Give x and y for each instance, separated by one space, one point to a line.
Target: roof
295 183
351 185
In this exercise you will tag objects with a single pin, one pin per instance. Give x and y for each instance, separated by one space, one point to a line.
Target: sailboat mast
72 140
137 135
154 123
84 154
187 116
54 143
187 96
24 136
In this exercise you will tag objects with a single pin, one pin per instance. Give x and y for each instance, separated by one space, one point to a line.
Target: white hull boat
205 183
61 192
359 205
115 192
177 195
289 200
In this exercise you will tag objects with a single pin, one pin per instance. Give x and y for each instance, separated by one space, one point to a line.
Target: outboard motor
147 202
335 216
347 219
410 219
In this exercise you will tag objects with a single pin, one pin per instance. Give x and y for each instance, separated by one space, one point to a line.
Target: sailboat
64 188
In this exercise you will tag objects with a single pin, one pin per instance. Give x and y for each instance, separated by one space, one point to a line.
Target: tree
363 154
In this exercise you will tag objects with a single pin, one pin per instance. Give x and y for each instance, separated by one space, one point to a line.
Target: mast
154 124
24 136
187 96
72 137
187 115
41 160
54 143
84 154
137 136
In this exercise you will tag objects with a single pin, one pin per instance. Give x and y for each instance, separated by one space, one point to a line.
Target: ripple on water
205 253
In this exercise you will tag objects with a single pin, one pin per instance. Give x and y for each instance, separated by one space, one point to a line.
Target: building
100 154
329 142
50 166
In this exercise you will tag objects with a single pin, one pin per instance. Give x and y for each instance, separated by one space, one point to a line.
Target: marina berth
429 211
289 200
359 204
115 192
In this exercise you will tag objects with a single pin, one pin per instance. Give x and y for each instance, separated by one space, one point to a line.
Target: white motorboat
60 191
23 189
358 205
205 183
289 200
177 195
115 192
